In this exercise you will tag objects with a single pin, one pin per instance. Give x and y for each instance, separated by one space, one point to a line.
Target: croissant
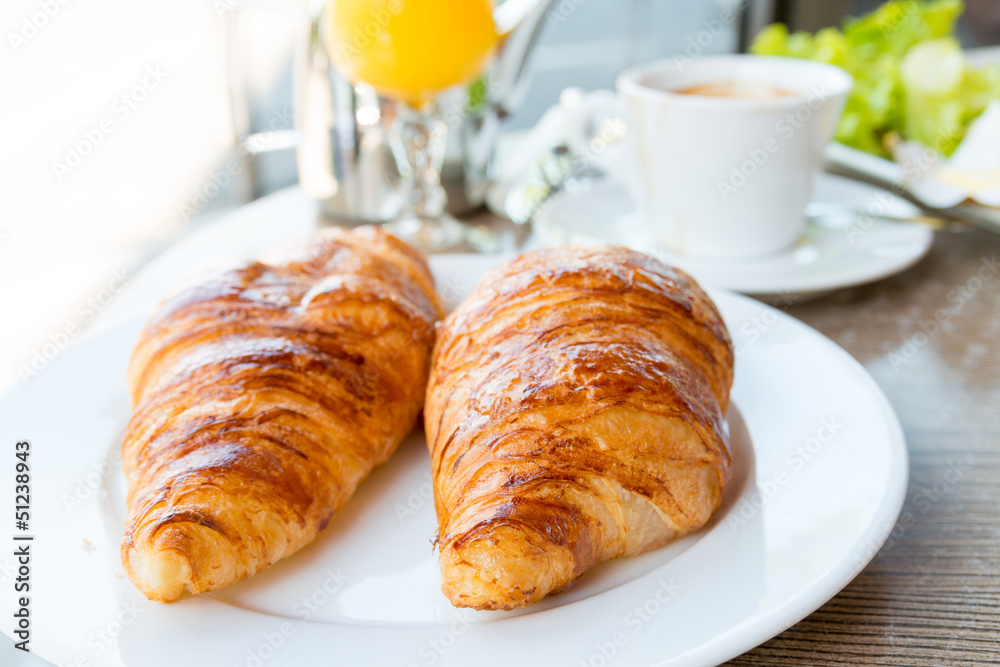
262 397
575 414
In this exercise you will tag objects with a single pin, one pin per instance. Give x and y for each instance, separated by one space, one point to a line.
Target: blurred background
149 86
162 95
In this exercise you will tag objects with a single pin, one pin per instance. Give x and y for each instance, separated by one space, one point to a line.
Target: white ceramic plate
820 475
863 250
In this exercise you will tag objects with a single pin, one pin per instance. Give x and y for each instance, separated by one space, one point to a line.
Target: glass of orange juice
410 51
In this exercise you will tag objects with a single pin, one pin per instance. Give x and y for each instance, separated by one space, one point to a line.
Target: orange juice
411 49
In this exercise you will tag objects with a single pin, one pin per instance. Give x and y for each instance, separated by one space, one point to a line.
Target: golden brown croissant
262 398
574 414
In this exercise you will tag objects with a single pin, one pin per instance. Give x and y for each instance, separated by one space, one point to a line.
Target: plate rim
875 535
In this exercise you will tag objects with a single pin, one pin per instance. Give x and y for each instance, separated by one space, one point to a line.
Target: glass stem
420 156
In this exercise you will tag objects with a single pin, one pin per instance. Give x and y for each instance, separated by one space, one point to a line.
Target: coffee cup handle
597 133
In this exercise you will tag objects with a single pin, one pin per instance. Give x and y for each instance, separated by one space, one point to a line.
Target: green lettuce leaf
910 75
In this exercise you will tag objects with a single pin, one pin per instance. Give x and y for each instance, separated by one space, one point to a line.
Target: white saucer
864 250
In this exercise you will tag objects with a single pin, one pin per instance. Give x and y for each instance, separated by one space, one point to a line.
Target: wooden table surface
931 596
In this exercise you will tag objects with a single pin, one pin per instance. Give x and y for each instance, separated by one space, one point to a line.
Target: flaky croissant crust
575 413
262 398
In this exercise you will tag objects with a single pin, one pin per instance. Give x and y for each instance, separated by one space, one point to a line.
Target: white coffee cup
715 177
